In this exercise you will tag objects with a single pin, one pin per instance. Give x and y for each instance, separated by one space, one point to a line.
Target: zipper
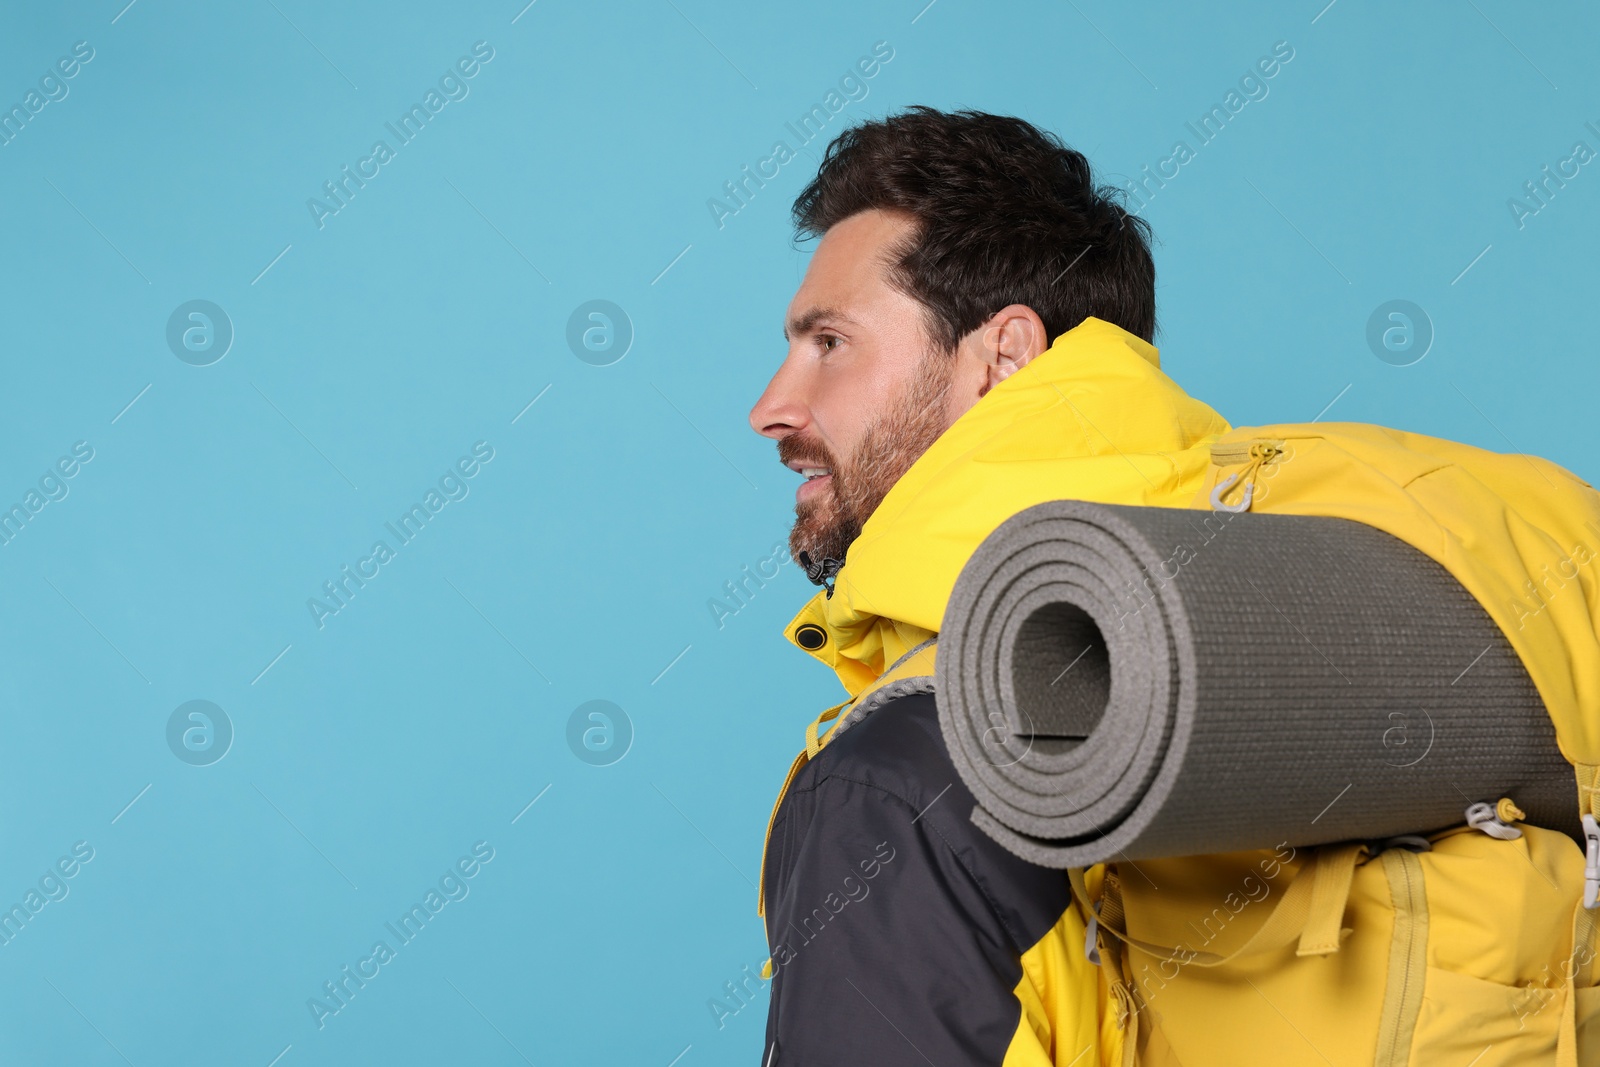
1408 958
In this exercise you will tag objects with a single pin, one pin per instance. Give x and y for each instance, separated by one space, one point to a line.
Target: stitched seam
780 877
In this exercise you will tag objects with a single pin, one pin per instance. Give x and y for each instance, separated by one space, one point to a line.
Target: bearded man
972 336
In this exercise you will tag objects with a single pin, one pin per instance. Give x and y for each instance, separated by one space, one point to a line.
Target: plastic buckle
1484 816
1091 937
1591 866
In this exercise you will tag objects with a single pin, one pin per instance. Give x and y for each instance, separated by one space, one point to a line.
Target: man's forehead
846 270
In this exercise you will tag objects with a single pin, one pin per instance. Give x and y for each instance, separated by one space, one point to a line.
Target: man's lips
814 473
811 486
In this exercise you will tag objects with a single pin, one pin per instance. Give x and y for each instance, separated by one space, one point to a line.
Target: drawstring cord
821 572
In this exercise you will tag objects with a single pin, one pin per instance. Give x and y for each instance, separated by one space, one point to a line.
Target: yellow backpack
1471 947
1475 952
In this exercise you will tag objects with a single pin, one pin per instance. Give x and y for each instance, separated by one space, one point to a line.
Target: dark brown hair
1005 212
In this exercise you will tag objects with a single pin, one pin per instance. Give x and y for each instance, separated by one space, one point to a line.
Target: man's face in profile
862 392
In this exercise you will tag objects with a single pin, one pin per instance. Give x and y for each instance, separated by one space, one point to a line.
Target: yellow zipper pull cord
1254 455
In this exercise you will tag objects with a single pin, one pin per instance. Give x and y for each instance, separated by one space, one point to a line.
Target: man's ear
1007 342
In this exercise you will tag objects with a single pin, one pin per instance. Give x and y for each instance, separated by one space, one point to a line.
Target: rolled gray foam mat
1134 682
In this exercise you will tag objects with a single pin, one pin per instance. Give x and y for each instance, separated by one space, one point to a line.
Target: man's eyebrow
804 322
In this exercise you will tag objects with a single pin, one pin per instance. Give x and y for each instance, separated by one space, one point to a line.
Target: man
971 337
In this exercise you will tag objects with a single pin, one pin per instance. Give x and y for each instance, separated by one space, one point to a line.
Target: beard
828 522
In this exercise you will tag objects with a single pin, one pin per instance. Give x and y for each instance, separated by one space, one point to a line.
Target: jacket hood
1091 418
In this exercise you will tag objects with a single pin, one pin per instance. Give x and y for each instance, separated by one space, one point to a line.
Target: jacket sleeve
903 935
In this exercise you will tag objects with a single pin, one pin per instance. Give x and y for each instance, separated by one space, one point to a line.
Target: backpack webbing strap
1310 910
1330 890
1578 967
1588 787
1123 995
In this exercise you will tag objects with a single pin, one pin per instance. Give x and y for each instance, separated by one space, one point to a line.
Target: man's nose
780 410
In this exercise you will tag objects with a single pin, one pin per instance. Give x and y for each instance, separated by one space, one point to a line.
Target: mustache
793 449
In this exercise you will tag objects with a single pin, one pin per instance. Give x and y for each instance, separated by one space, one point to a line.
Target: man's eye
827 341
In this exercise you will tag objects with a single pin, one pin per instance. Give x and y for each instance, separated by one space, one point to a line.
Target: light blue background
425 316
